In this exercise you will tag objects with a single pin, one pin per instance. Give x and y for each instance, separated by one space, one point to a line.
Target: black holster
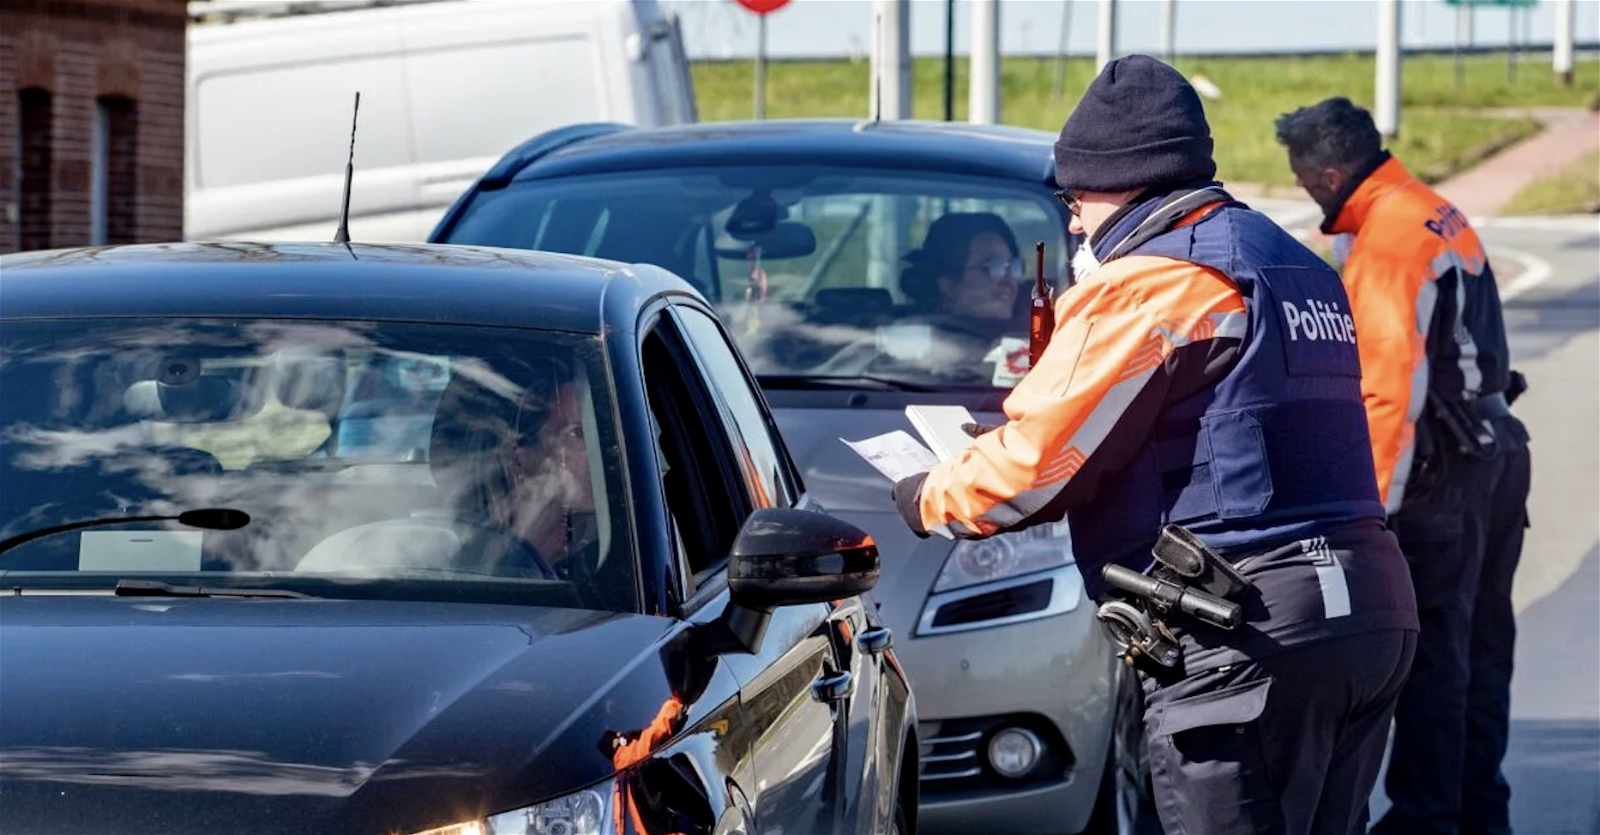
1188 578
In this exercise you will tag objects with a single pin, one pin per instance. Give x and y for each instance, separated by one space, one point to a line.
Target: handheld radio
1041 313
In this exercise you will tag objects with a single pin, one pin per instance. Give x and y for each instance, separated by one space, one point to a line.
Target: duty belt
1189 579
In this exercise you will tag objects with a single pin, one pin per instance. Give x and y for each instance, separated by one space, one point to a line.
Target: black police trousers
1289 744
1463 541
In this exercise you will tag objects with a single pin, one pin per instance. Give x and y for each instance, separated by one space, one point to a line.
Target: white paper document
896 454
940 428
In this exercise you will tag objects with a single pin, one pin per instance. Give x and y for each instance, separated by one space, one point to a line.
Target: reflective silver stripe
1073 453
1083 443
1427 300
1471 375
1231 325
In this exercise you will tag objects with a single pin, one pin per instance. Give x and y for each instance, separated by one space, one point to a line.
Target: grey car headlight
975 561
587 812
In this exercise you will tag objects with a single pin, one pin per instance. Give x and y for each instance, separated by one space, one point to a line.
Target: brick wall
80 51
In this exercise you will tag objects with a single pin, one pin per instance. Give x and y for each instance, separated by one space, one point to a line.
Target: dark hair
1333 133
944 250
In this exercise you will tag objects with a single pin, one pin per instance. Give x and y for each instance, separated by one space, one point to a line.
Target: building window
114 154
35 167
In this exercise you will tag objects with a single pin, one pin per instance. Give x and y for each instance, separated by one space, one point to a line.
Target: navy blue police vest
1278 450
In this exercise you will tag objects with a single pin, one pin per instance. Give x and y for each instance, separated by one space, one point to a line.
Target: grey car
863 268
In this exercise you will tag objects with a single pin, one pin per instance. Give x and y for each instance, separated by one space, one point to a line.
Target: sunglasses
1072 201
998 268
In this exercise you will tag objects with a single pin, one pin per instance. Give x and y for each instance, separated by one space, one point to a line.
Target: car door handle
874 641
833 686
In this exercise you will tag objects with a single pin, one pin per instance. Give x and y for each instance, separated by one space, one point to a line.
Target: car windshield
373 459
897 276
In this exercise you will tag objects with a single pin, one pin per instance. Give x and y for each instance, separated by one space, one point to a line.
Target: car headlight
975 561
587 812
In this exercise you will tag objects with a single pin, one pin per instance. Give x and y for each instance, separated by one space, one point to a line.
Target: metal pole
761 66
1387 93
949 60
1169 29
983 94
1059 86
1106 50
1463 33
891 63
1562 58
1511 54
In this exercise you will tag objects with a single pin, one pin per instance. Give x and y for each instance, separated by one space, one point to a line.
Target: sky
840 28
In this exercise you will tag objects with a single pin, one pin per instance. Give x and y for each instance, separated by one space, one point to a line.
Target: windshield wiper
209 518
156 588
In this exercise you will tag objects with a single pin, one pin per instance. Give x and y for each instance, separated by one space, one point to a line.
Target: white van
447 87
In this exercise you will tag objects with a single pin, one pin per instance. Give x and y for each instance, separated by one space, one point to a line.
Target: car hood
849 488
134 715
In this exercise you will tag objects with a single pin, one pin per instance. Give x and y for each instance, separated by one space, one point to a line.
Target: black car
864 267
574 586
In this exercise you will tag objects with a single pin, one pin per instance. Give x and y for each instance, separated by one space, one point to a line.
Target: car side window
765 466
704 495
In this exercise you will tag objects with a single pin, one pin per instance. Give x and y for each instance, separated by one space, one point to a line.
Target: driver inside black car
517 462
551 489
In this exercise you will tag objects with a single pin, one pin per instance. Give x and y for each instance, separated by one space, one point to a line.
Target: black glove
1518 385
907 499
976 429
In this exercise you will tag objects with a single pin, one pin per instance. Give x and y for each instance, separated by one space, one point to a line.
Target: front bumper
1051 672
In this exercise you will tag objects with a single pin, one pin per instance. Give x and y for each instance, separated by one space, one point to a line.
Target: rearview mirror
784 557
786 239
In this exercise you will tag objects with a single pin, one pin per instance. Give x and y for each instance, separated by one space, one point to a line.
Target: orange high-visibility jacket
624 807
1083 413
1426 310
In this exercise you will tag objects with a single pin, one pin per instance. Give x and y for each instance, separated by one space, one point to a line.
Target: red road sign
763 6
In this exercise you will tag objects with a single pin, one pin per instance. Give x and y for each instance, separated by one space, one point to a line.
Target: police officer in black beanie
1200 403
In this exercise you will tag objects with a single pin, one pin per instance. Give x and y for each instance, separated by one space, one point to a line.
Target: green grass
1444 128
1575 190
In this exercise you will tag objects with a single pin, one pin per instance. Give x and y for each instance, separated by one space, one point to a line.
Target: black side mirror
784 556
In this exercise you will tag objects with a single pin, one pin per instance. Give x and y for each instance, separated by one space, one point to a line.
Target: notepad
940 428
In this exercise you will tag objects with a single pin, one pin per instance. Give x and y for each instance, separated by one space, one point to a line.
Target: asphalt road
1549 273
1554 323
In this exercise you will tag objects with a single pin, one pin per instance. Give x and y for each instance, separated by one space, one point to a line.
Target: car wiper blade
156 588
206 518
812 381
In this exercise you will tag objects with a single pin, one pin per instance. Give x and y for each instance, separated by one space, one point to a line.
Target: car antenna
342 234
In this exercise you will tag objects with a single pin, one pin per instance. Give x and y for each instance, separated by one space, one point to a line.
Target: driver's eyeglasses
1073 202
997 268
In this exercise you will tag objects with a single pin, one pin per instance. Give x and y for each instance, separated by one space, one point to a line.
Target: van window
482 100
285 122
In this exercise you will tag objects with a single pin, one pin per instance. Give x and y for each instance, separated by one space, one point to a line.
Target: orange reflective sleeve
1089 406
1392 300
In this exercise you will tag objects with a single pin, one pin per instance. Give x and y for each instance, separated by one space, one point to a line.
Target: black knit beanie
1139 124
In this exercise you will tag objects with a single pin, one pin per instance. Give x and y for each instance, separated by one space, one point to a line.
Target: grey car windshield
388 459
819 271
